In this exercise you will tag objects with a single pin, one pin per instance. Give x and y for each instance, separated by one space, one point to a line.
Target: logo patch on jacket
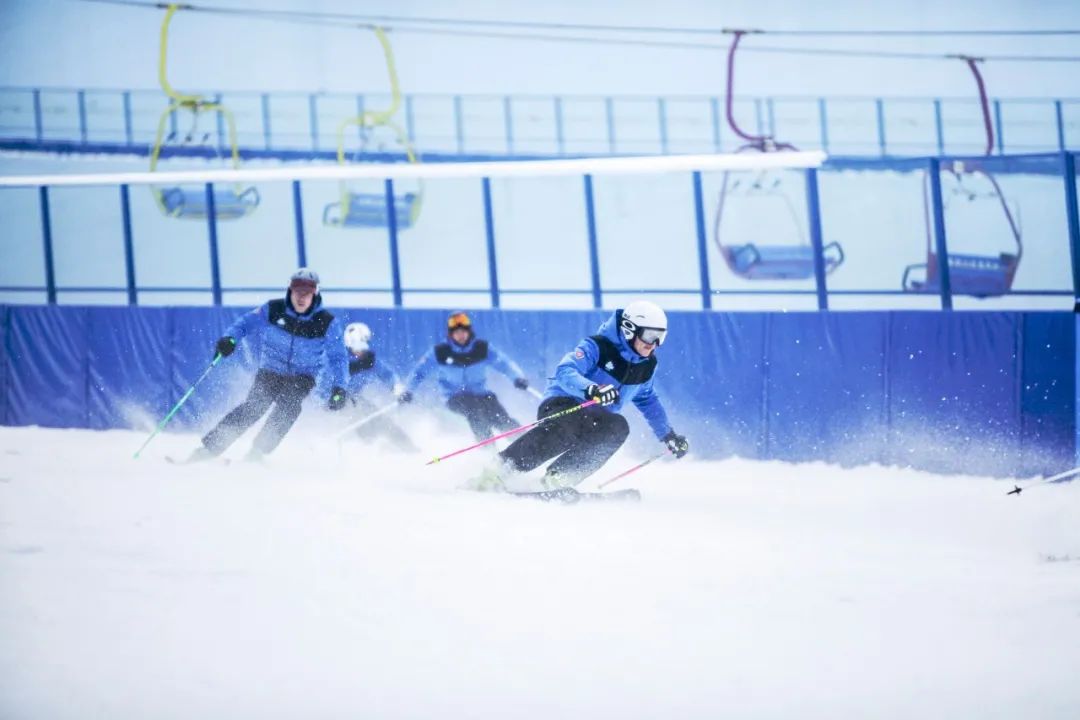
609 366
579 355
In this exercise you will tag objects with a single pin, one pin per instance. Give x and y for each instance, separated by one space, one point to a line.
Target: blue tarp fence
972 392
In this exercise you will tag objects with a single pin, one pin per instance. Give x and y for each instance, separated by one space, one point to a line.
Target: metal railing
124 120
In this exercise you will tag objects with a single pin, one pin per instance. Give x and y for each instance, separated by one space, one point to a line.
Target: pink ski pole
490 440
634 469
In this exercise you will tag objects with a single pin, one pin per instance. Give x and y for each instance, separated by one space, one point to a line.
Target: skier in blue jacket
300 342
364 373
461 365
612 367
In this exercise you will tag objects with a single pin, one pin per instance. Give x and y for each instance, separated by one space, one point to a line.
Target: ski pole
1060 477
634 469
559 414
167 418
535 393
365 420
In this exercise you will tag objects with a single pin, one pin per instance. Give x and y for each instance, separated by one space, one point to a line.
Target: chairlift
765 261
357 209
979 275
190 202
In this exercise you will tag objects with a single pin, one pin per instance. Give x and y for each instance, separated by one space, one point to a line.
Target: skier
611 367
299 341
462 365
363 371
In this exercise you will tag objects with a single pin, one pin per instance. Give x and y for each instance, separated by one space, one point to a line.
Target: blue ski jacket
607 359
295 344
462 368
364 371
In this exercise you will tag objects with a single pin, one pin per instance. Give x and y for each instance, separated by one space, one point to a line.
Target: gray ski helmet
645 320
304 278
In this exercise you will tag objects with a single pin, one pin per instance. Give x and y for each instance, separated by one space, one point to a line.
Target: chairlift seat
369 210
779 262
190 203
977 275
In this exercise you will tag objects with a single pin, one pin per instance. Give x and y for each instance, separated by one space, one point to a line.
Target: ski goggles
458 320
652 336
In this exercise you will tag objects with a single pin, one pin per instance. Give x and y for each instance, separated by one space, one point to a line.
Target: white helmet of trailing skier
644 320
357 337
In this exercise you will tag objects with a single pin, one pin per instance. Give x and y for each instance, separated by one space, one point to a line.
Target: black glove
676 443
521 383
602 394
225 346
405 396
337 399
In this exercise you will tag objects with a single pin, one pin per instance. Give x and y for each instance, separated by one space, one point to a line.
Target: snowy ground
364 585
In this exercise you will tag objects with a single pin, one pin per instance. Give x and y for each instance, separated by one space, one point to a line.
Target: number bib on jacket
477 353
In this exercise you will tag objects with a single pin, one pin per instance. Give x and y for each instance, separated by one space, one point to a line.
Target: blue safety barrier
978 392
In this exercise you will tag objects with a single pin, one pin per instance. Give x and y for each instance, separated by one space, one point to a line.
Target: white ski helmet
357 337
645 320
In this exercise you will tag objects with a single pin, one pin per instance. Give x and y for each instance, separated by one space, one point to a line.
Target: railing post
560 130
129 246
220 126
46 239
392 231
939 127
1072 218
759 117
1060 125
489 229
39 128
770 112
215 257
997 124
508 120
813 207
823 121
714 111
939 234
267 131
410 120
84 132
360 114
609 111
880 107
298 221
661 110
459 125
594 251
702 242
313 120
129 130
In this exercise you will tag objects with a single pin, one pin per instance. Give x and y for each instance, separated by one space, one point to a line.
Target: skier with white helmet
364 372
299 342
612 367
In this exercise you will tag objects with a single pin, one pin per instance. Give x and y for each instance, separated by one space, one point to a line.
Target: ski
188 461
569 495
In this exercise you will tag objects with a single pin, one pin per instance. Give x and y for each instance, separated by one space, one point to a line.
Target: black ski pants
485 413
381 426
584 440
285 392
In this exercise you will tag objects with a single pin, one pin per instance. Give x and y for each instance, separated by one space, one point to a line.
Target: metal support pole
46 238
129 246
594 251
813 207
215 257
392 228
489 228
939 233
702 242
